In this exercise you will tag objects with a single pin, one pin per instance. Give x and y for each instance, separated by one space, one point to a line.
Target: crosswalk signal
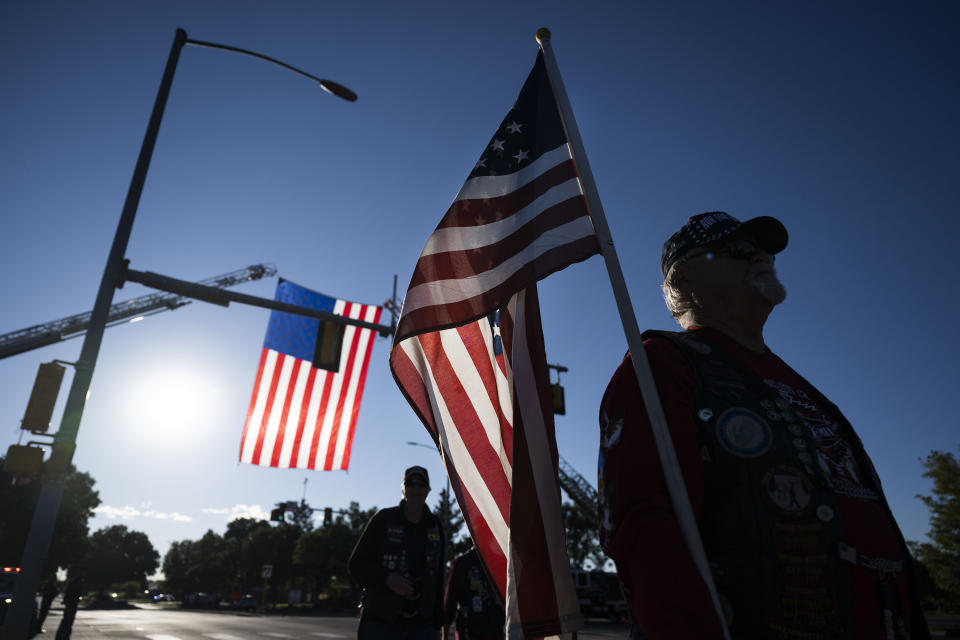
327 517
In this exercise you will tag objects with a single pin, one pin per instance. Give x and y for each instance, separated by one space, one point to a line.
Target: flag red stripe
451 265
452 314
480 532
288 398
274 381
344 390
302 420
469 426
480 211
360 384
476 345
324 400
407 377
253 398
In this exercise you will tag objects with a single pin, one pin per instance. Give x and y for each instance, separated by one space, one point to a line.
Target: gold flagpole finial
542 34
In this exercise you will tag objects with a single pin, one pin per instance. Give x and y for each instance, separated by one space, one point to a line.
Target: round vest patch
743 433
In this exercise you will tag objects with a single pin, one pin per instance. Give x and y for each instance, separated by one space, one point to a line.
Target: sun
174 402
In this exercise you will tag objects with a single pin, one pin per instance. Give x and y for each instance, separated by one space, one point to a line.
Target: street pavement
169 623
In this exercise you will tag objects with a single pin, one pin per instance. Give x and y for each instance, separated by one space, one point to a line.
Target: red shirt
667 596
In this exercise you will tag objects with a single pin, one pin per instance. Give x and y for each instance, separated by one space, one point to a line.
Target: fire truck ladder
579 490
74 326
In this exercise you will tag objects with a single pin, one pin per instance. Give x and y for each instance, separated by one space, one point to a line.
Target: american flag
301 416
469 356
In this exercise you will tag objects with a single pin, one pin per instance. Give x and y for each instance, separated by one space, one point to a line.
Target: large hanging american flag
469 357
302 416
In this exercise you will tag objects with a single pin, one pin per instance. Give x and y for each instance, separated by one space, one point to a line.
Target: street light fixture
17 622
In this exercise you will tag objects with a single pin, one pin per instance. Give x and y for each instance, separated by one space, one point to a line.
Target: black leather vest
480 614
769 520
392 550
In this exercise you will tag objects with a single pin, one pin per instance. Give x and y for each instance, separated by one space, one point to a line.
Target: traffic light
43 397
277 514
327 517
326 354
559 406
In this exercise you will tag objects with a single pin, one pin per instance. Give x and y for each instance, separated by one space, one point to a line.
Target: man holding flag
800 539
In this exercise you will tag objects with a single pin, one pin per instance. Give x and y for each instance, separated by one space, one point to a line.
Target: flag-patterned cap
706 228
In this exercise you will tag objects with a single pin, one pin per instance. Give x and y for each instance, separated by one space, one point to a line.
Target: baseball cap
706 228
417 472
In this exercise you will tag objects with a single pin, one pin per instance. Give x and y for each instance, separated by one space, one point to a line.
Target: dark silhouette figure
48 593
71 596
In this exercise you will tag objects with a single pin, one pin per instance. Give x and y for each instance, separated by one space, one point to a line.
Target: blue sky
842 120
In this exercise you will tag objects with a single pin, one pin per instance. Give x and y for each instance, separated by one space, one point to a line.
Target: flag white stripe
475 237
496 186
470 477
457 289
276 411
541 464
327 425
476 391
363 339
310 422
504 390
253 427
296 402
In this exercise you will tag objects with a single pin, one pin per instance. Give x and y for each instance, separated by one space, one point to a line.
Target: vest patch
789 490
743 433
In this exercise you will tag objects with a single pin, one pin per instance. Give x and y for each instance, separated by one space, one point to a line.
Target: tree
322 554
303 517
452 521
118 554
17 504
941 556
176 567
583 546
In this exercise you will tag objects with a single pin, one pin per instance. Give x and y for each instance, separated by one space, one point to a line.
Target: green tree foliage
303 517
941 557
458 539
17 504
322 554
583 545
118 554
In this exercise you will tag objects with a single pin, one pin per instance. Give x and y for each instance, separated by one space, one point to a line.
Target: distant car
246 603
164 597
8 579
201 600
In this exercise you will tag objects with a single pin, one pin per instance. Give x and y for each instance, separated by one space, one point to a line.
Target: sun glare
174 404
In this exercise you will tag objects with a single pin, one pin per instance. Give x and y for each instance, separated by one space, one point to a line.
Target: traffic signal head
327 517
277 514
43 397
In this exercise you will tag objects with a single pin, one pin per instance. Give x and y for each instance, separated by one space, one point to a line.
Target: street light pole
20 615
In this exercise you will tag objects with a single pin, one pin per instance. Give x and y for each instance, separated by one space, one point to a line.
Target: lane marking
276 635
328 635
221 636
161 636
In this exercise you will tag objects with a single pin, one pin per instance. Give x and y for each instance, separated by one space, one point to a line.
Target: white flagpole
641 366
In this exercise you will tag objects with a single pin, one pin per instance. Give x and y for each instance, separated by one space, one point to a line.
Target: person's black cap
417 472
706 228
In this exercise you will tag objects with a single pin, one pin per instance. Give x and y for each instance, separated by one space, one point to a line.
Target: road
166 623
